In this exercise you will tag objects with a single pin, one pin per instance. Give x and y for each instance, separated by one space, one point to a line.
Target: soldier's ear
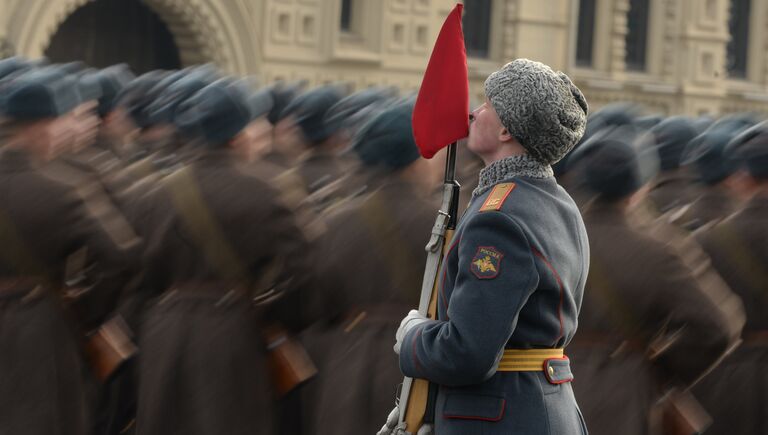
505 136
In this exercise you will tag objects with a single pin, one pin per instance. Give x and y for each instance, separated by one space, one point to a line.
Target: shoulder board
497 197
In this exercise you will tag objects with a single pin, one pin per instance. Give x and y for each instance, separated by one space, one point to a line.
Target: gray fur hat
541 108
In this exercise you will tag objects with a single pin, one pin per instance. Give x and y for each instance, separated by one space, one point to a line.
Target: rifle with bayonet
414 396
440 117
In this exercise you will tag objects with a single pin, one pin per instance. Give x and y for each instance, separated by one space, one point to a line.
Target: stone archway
214 31
106 32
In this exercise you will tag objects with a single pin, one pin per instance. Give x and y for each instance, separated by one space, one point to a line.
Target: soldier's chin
475 147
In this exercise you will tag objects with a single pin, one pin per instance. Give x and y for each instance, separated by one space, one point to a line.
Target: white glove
391 424
390 428
412 319
426 429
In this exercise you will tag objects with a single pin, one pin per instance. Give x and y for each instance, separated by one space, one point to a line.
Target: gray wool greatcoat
538 246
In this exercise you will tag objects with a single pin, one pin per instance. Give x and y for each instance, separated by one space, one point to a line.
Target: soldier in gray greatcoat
512 281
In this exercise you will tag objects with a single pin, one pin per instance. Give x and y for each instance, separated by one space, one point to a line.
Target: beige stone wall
390 40
686 59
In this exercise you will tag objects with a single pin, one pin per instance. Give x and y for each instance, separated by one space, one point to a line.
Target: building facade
672 56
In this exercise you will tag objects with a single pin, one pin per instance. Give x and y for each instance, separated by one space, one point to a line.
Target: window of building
346 15
477 27
637 35
586 33
738 25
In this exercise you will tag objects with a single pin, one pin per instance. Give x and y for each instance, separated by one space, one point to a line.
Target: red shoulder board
497 197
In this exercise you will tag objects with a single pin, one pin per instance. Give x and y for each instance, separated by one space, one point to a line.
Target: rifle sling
202 225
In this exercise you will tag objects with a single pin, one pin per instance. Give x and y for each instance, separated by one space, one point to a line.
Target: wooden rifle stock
289 363
109 347
417 399
682 414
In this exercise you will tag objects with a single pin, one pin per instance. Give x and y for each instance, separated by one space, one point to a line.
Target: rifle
414 396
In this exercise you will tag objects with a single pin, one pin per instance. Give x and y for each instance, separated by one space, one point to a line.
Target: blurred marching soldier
129 107
372 254
83 152
13 65
609 118
79 162
260 135
259 129
319 163
282 151
512 281
150 140
254 143
116 133
89 170
345 119
673 187
645 123
738 246
43 222
118 404
217 238
646 324
159 138
705 155
352 112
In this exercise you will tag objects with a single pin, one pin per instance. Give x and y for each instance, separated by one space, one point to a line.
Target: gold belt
527 360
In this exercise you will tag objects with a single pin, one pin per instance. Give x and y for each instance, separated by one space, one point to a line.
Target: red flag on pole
441 113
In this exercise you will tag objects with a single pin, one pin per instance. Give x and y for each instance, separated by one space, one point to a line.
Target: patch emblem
487 262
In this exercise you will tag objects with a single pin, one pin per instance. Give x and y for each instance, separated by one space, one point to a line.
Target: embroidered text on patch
487 262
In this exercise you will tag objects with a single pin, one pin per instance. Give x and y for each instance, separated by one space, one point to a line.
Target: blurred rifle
682 414
678 411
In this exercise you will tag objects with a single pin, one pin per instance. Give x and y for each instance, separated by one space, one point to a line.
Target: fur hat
541 108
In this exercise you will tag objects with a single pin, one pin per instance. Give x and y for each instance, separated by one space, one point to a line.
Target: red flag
441 114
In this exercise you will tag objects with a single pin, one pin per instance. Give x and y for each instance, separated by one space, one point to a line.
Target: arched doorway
106 32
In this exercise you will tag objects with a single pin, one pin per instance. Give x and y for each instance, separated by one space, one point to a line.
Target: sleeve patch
486 264
497 197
